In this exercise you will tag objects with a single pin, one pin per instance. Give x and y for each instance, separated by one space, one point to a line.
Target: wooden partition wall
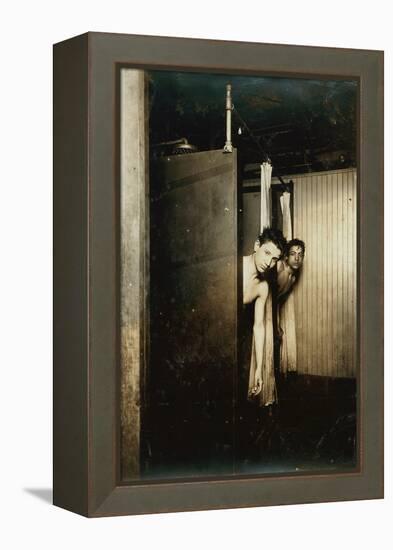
325 300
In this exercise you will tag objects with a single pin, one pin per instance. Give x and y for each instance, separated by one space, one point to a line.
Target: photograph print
238 275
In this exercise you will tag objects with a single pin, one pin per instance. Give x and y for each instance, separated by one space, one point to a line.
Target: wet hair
295 242
269 234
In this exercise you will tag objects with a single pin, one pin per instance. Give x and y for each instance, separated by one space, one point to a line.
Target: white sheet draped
266 181
288 350
285 202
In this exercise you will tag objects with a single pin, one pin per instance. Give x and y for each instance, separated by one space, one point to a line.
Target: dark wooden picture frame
86 274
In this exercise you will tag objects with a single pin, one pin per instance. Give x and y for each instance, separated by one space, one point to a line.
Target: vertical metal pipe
228 144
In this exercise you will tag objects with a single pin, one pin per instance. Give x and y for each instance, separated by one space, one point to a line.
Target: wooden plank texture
134 243
325 218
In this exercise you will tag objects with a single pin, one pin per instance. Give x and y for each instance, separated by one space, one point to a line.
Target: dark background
197 420
302 125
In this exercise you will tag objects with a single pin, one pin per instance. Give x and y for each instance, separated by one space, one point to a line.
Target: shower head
184 148
174 147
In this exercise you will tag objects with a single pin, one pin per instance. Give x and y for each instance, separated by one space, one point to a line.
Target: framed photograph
218 274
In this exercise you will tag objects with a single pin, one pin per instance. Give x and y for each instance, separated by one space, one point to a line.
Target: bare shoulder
280 266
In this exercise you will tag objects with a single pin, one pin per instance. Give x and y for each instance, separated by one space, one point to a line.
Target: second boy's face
295 257
266 256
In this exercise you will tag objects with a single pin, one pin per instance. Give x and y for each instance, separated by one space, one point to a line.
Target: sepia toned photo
238 274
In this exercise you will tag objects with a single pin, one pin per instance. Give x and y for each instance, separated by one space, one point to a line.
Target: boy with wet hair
268 249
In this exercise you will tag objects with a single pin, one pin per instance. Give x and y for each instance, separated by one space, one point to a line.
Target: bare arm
259 335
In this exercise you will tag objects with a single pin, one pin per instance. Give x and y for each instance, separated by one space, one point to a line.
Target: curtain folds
287 313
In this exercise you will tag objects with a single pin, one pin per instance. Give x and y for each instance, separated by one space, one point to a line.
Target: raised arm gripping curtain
268 393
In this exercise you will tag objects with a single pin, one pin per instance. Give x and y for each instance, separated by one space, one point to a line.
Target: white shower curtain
266 181
287 313
285 202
